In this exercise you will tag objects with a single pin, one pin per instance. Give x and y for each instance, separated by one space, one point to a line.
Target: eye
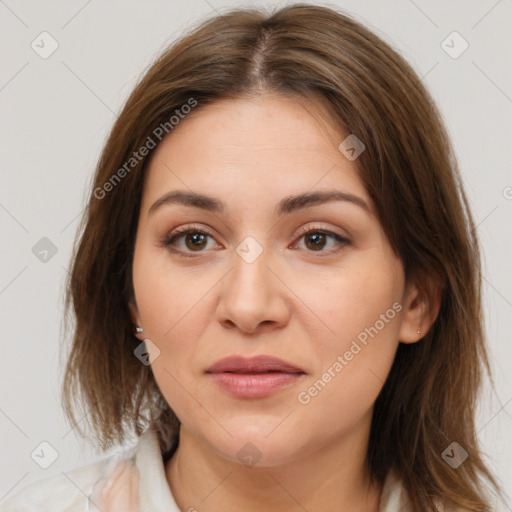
317 239
188 240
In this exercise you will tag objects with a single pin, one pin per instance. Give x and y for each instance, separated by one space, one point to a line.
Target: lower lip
256 385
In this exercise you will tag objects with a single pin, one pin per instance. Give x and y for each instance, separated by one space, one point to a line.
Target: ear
421 304
135 317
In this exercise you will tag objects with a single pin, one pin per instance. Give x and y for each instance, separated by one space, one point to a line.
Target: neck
332 478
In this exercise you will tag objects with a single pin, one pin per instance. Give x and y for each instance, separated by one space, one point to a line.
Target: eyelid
343 240
186 228
304 230
183 230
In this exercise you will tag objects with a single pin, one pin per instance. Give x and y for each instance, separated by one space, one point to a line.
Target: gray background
56 113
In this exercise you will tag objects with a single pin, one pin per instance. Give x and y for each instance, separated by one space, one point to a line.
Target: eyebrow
287 205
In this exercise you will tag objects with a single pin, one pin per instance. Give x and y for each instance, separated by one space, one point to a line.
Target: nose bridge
250 278
251 294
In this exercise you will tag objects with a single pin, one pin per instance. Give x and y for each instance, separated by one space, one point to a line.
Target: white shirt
132 481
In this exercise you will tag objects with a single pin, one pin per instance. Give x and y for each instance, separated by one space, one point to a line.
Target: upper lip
255 364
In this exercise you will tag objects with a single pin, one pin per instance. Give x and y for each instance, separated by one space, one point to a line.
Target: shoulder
68 491
394 497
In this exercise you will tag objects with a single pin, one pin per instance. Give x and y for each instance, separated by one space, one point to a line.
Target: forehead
266 143
260 123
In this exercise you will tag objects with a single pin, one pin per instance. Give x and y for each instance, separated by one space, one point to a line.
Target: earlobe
135 317
420 309
134 312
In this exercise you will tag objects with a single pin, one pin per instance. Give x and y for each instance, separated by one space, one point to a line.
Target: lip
254 377
255 364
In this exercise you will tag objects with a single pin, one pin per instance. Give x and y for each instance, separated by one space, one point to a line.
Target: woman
276 285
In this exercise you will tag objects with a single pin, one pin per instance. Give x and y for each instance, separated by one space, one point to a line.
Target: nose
253 297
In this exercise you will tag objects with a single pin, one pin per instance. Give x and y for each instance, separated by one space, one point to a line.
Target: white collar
155 494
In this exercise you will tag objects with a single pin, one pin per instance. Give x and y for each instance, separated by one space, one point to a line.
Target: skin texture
295 302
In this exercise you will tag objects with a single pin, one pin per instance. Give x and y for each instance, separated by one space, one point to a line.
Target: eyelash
180 232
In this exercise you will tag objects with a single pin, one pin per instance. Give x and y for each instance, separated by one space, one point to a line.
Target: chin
257 449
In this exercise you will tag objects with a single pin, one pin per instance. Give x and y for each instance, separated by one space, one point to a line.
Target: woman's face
312 282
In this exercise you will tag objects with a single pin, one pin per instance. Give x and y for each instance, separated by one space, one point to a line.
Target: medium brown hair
411 174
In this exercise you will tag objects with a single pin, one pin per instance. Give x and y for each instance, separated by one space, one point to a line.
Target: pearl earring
138 329
419 331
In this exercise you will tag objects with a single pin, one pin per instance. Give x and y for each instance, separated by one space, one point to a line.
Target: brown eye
196 241
321 241
315 241
188 241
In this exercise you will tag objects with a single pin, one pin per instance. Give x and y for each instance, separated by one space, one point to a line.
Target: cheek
361 308
354 300
174 307
170 300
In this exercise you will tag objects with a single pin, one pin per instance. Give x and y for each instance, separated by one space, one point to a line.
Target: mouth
255 377
253 365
